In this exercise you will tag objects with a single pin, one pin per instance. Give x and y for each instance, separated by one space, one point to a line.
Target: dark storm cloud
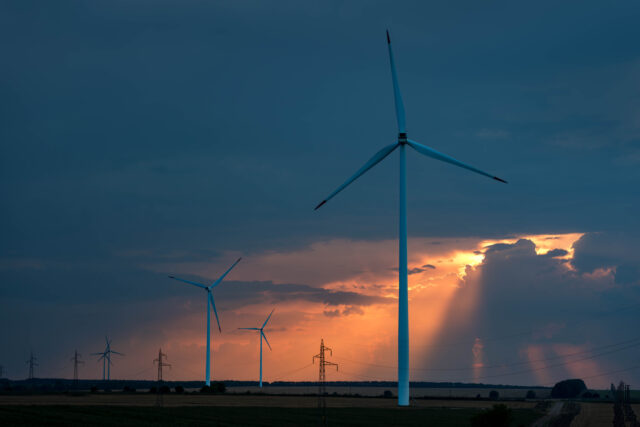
134 133
524 300
237 294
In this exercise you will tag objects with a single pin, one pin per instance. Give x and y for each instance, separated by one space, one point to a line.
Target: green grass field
234 416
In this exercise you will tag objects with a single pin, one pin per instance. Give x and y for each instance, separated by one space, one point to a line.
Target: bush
498 416
494 395
164 389
94 389
531 394
153 389
128 389
215 388
387 394
568 389
179 389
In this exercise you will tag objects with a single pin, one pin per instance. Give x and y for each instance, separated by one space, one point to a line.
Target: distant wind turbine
210 303
403 299
262 335
105 356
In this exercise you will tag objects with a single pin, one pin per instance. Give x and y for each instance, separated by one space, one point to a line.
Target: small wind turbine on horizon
105 356
262 335
403 299
210 303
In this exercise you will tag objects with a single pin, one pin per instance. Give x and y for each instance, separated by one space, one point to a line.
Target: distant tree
164 389
531 394
179 389
219 387
153 389
568 389
388 394
494 395
128 389
498 416
94 389
596 395
587 395
205 389
478 396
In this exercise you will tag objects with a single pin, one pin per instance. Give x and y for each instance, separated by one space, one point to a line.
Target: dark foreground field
63 415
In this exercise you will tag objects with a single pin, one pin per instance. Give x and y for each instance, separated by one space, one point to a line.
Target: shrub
387 394
498 416
531 394
494 395
179 389
164 389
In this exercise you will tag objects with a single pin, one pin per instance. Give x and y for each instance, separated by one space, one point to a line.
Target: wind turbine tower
262 335
210 304
403 294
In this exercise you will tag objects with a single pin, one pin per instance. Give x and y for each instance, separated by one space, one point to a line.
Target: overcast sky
145 138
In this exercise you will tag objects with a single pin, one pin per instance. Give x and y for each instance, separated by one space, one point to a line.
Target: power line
635 341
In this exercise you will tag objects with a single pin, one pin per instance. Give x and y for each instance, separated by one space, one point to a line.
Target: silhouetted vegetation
494 395
179 389
531 394
568 389
215 388
498 416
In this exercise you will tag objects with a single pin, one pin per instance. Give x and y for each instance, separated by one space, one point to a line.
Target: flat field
239 410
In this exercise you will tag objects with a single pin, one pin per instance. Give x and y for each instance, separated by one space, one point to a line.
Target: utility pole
32 363
161 364
76 361
322 404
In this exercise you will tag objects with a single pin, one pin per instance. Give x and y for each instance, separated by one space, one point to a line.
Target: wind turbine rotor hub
402 138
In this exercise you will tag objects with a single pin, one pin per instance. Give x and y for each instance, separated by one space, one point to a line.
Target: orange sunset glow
362 335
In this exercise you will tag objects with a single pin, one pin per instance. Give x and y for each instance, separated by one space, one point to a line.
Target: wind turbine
403 299
105 356
210 303
262 335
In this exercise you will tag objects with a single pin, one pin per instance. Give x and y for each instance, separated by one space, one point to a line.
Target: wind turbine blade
396 90
265 339
225 274
430 152
265 322
115 352
251 329
213 304
200 285
377 158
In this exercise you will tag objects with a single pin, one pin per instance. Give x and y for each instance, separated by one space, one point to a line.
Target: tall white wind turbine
262 335
403 299
210 303
106 359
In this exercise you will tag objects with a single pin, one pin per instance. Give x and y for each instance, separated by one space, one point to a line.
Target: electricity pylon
322 404
32 363
161 364
76 361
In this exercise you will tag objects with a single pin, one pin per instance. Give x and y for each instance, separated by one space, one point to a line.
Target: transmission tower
322 404
32 363
76 361
161 364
